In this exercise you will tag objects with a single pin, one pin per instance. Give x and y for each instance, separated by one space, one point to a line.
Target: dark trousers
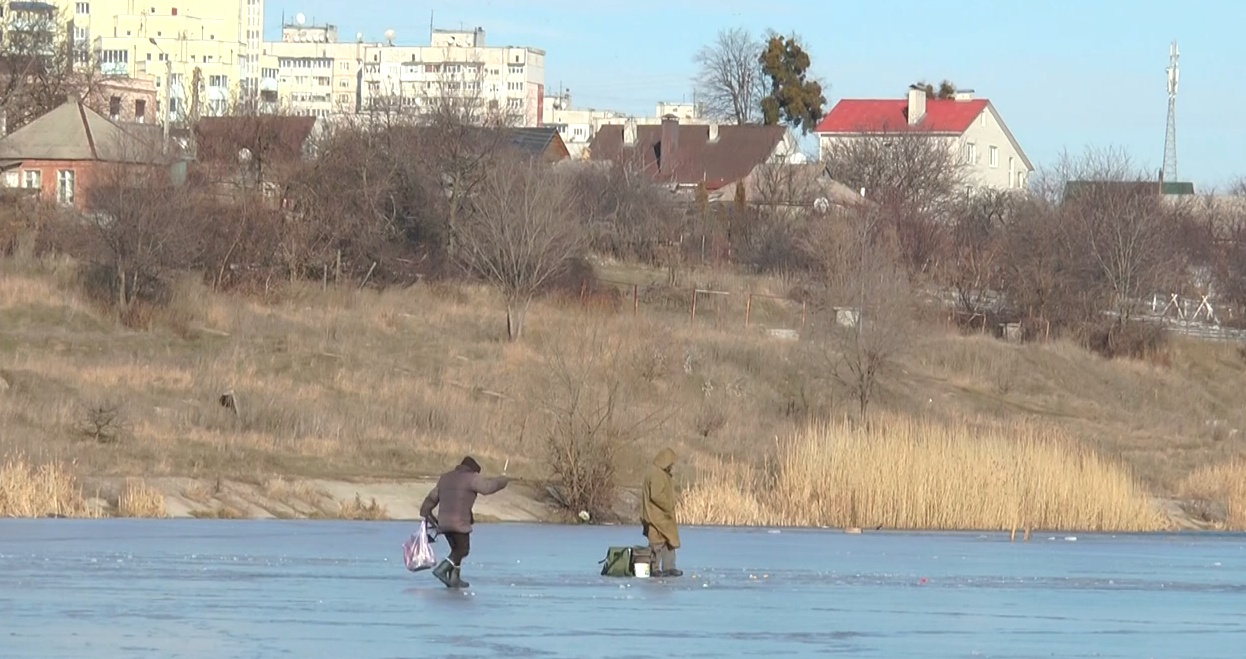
460 546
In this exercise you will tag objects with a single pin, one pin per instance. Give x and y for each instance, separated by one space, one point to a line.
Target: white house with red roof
972 126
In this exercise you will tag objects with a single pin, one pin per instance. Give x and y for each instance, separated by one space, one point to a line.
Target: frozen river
223 589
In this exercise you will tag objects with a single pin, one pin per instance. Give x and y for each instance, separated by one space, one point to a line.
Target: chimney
917 105
713 133
629 132
669 145
964 94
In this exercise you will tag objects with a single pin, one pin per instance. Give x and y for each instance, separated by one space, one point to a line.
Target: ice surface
224 589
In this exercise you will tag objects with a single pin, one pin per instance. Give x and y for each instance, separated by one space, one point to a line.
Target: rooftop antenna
430 26
1170 138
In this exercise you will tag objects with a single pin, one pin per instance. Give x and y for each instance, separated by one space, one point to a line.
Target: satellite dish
300 18
359 37
389 36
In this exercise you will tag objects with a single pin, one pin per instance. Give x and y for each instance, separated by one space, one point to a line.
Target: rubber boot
456 578
444 571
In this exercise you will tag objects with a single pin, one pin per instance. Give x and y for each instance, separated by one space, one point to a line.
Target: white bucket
641 570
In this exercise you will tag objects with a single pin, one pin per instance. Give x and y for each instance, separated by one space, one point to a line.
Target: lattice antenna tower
1170 138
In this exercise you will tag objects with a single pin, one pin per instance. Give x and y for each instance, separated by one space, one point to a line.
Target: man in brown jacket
453 496
657 514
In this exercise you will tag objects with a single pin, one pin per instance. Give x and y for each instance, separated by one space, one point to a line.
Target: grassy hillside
342 383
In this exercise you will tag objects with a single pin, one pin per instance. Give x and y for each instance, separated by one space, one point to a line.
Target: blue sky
1063 74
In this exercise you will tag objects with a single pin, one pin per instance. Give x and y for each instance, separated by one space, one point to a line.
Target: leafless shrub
710 419
103 421
521 233
592 413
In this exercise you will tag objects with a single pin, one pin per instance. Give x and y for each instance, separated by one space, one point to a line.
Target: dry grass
1224 483
907 474
138 499
347 384
356 509
29 490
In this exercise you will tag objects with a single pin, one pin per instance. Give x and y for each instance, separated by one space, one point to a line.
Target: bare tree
914 174
625 214
875 298
729 78
1124 241
465 131
41 64
975 262
142 226
521 234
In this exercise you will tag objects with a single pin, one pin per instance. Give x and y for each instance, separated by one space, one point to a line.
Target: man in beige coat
453 496
657 514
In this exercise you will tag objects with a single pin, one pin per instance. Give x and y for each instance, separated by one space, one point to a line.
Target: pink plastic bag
417 551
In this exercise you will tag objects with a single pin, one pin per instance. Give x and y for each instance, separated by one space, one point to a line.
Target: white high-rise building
209 50
316 74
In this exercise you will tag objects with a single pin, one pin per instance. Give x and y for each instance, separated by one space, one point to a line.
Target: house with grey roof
59 153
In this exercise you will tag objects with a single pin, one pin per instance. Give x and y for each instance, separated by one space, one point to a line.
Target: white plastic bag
417 551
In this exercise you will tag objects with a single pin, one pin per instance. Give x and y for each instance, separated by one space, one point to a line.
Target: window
81 34
65 186
301 80
114 57
1020 179
343 83
268 73
1012 172
218 81
971 153
323 81
514 86
982 118
32 178
114 107
82 8
515 69
514 103
344 65
140 110
993 156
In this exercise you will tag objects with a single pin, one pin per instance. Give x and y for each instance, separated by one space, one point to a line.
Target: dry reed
28 490
1224 483
138 499
904 473
356 509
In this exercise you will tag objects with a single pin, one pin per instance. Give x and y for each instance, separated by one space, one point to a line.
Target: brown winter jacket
455 494
658 503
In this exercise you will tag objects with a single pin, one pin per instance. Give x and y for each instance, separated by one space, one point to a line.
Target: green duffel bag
617 563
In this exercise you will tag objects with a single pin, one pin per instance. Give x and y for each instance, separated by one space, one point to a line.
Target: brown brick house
60 153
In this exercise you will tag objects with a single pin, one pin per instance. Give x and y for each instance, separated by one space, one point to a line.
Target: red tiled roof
879 115
738 150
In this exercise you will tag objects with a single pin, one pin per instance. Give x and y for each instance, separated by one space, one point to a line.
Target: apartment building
206 52
317 74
